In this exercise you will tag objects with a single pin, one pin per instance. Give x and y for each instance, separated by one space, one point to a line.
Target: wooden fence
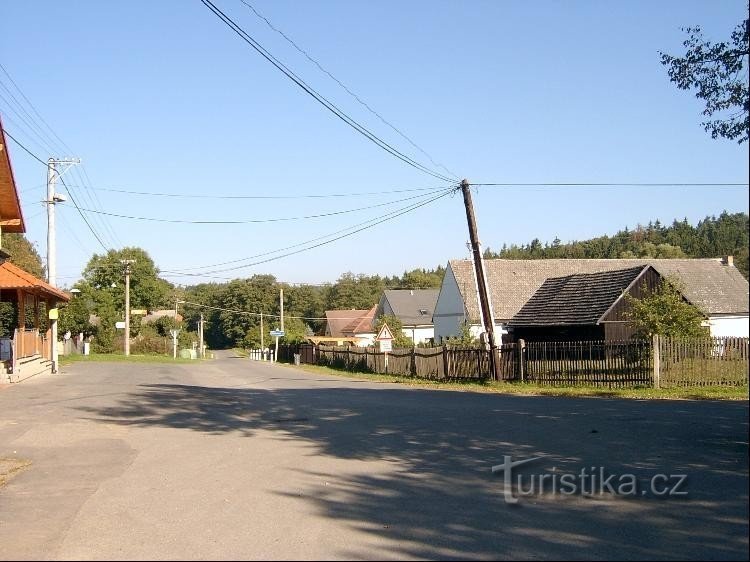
595 363
663 362
703 362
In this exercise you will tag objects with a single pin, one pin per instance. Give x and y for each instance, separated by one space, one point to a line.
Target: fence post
445 361
657 361
413 361
521 349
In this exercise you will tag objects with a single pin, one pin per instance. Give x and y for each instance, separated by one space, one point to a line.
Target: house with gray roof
414 308
714 286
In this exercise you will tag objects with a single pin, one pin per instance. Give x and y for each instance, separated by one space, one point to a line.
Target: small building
25 350
347 326
713 285
583 306
414 308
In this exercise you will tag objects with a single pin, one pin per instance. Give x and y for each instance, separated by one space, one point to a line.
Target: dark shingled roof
579 299
711 286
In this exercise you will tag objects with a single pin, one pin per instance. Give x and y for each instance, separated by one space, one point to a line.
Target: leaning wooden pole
484 293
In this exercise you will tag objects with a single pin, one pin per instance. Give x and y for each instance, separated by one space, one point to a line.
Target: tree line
712 237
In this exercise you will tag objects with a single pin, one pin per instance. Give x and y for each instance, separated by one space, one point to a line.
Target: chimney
727 260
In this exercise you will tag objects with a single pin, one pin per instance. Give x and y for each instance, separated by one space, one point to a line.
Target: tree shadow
431 493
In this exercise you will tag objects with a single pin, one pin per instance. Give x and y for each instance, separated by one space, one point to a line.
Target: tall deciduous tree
715 72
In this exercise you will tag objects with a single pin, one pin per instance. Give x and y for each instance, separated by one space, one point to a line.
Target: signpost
277 334
385 340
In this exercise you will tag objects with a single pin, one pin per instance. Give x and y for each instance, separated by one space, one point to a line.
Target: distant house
414 308
714 286
349 327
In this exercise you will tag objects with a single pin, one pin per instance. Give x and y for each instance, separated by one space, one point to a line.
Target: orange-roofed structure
23 350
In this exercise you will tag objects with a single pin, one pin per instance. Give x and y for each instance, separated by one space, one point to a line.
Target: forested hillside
712 237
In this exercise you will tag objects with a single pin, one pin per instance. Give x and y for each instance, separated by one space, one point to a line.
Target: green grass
120 358
530 389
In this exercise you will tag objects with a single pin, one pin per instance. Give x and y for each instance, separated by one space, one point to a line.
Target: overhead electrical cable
330 106
257 221
611 184
307 248
348 91
299 244
269 197
72 199
56 146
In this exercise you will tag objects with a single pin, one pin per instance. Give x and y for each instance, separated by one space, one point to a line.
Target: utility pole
52 199
484 291
281 308
200 336
262 349
127 264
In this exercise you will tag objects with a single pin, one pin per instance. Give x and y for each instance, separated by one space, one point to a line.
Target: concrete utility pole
484 291
200 336
127 264
52 199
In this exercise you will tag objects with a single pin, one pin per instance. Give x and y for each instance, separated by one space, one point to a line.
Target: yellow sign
53 314
138 311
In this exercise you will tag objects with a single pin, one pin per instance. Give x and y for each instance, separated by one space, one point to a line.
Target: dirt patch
10 467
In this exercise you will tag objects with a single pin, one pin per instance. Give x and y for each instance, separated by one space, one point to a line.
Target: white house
713 285
414 308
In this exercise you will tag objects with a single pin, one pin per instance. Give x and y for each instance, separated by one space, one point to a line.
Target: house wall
729 326
419 334
450 312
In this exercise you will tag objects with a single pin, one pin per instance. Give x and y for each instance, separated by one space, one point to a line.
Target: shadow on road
441 501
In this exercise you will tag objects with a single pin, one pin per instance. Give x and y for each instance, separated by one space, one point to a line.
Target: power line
256 221
270 197
319 97
633 184
348 91
50 143
72 199
382 220
286 316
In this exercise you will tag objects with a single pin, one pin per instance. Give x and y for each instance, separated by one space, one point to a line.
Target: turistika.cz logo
589 481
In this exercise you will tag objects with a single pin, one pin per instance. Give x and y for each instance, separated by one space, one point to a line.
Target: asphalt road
234 459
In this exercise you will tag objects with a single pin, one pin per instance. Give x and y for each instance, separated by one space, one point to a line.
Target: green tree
147 289
714 70
75 314
23 254
665 312
396 327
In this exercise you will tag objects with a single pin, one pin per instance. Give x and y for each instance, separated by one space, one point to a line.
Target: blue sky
161 97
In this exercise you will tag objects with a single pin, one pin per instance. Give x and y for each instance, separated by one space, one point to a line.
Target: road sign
120 325
138 311
384 333
385 345
278 333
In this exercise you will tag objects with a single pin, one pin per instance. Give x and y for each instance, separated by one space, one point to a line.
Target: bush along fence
659 363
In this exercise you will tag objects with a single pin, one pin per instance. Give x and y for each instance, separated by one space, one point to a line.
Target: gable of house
11 216
413 307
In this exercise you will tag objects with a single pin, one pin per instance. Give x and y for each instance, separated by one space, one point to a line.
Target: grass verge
530 389
118 357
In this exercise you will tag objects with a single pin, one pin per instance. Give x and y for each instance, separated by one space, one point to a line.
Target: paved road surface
236 459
